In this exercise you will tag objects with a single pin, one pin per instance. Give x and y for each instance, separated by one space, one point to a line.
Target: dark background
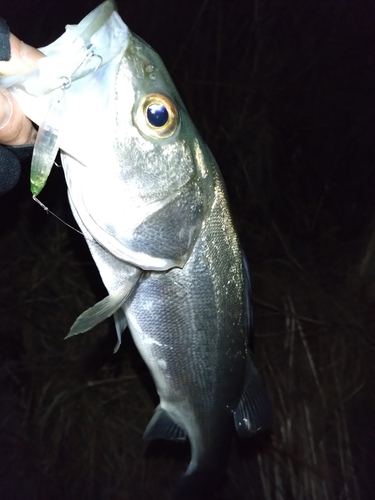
283 92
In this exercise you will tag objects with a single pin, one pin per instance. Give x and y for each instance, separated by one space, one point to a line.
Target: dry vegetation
284 97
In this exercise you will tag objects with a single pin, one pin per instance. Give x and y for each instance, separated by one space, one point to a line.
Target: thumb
24 58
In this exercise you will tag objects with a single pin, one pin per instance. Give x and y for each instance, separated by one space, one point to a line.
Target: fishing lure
54 77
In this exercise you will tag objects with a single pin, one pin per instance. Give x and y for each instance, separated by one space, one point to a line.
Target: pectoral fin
121 324
253 413
104 309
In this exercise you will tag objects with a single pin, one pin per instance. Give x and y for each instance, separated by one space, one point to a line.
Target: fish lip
77 48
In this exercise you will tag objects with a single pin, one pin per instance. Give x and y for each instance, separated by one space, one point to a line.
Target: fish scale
205 340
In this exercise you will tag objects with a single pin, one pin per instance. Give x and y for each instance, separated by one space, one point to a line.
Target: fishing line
57 217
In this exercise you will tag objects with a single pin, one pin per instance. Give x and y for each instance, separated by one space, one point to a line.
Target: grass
283 96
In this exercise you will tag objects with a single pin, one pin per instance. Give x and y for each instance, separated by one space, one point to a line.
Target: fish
150 200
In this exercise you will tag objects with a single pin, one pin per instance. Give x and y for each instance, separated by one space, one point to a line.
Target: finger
23 58
5 108
15 128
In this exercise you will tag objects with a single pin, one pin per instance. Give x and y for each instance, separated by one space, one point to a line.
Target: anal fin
161 426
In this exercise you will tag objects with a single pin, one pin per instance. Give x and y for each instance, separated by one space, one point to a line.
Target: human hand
17 133
15 128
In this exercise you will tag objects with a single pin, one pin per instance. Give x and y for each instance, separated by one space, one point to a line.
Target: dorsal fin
254 412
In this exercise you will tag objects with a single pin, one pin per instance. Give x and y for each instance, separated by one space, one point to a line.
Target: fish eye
157 116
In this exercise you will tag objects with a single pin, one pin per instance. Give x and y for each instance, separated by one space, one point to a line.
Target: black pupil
157 115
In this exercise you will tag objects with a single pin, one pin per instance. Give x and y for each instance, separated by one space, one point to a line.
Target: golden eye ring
157 116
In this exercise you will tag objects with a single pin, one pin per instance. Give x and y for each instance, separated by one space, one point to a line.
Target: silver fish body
197 351
152 206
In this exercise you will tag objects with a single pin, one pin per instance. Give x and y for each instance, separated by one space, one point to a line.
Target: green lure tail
47 144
